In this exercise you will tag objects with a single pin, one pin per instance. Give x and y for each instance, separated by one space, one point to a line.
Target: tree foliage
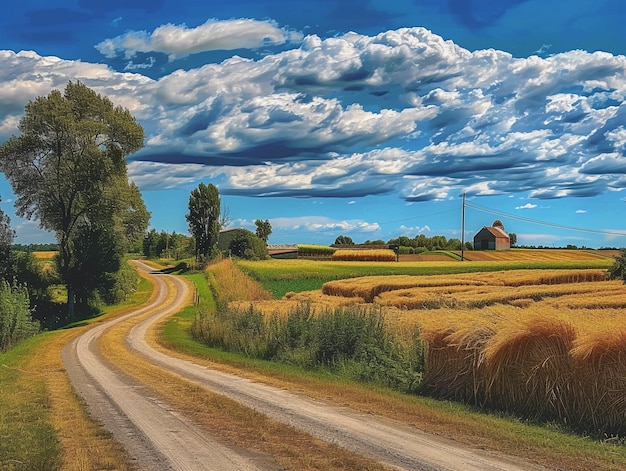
164 245
344 240
245 244
618 270
263 229
68 171
204 219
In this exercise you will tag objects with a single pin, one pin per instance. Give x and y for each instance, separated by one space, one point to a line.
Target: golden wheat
364 255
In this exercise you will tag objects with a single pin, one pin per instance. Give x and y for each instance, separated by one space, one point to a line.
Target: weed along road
158 437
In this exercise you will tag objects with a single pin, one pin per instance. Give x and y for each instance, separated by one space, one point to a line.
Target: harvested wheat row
371 255
556 365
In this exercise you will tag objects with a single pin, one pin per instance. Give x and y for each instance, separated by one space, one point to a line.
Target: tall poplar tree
204 219
68 171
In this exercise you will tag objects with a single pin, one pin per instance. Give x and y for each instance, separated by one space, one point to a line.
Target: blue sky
368 119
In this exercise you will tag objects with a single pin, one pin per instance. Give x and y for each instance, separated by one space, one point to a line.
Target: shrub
16 323
618 269
245 244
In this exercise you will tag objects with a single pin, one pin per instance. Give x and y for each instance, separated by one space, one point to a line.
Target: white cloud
581 211
401 112
324 224
179 40
527 206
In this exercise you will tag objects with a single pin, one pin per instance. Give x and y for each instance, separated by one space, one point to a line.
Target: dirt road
159 439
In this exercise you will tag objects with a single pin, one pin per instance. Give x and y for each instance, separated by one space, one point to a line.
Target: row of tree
419 243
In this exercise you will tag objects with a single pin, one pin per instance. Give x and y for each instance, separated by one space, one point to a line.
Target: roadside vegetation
43 425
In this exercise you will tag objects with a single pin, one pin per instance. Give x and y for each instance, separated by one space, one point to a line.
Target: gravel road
159 439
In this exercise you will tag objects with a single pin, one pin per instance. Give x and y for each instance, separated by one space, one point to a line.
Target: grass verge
43 424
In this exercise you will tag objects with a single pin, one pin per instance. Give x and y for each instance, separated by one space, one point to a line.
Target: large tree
68 171
204 219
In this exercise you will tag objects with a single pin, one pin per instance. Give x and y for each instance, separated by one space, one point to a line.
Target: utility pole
463 230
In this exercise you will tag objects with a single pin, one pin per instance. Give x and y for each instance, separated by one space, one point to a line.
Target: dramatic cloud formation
402 112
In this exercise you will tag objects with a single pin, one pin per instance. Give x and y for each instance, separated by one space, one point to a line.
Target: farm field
537 255
283 276
47 255
544 339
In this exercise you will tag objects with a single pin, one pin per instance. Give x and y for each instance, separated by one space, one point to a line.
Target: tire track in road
156 437
389 442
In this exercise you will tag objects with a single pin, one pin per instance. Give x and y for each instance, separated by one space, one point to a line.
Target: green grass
283 276
27 439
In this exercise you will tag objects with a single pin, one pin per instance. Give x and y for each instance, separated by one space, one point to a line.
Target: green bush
16 323
247 245
618 269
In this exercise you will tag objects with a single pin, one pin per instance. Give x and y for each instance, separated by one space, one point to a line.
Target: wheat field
545 344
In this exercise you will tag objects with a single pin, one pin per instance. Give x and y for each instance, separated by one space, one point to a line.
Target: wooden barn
492 237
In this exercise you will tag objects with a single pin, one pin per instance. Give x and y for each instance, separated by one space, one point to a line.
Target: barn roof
496 231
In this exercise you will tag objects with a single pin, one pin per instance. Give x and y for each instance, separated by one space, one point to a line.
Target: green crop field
284 276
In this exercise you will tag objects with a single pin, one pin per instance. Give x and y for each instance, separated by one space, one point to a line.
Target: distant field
45 255
537 255
283 276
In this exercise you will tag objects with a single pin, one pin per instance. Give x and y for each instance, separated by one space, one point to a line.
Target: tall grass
544 365
352 340
27 440
546 344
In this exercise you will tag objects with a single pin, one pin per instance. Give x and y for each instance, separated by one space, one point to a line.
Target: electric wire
543 223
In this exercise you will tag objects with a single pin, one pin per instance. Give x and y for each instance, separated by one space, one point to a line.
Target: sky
365 118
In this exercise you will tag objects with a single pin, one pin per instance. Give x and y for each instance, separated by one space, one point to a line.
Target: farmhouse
492 237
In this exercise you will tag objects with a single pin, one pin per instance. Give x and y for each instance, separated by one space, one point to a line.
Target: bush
247 245
618 270
16 323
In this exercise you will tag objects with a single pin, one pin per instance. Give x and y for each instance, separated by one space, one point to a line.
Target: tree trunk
70 303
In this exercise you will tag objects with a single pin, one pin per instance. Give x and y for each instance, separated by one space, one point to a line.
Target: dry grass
543 343
233 283
364 255
535 255
458 339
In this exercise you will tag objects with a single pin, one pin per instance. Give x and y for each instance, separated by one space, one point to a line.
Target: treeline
420 243
51 247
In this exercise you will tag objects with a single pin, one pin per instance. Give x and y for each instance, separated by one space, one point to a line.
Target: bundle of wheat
368 255
599 392
529 367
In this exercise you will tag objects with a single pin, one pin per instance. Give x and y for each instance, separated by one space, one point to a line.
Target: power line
542 223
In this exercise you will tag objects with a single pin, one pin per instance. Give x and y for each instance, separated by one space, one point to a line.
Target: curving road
159 439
